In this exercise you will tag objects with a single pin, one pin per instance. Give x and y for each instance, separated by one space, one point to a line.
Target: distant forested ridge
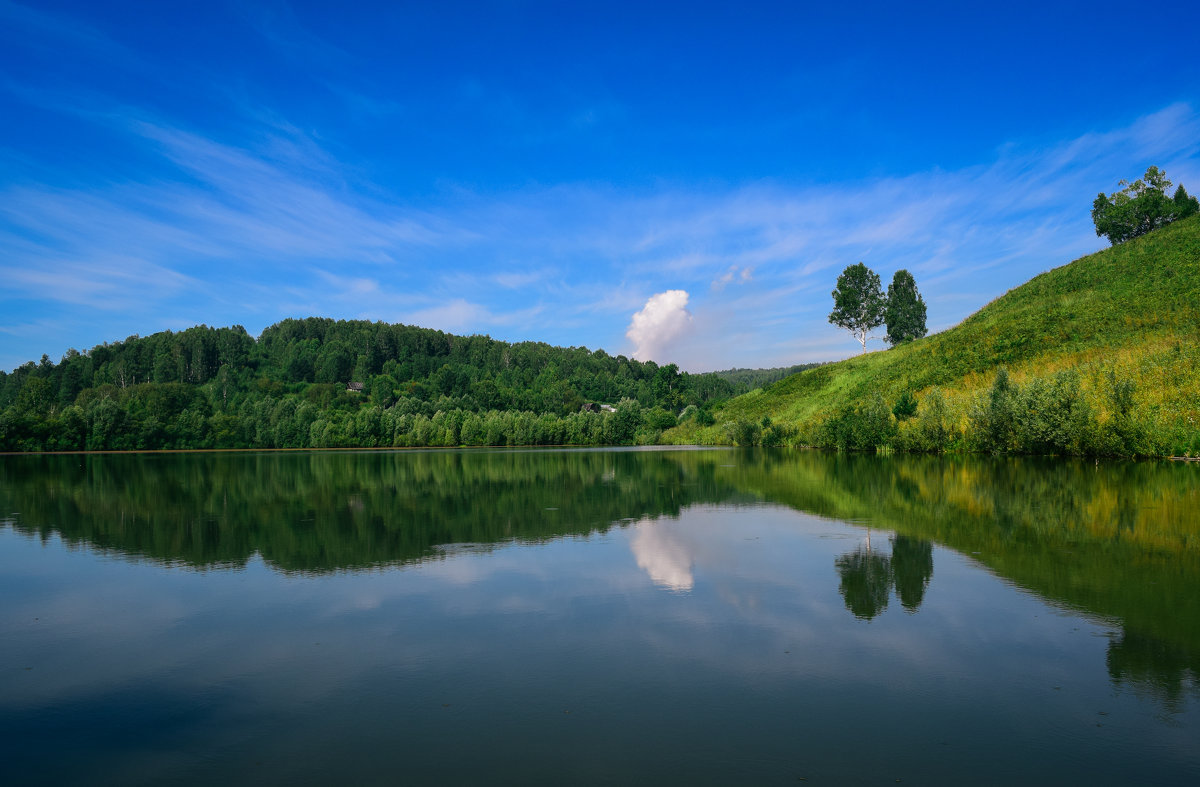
325 383
745 380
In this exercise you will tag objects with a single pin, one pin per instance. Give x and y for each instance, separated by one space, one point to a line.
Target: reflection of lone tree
1167 670
912 568
868 577
866 581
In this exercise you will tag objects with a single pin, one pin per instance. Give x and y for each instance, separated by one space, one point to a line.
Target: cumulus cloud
661 321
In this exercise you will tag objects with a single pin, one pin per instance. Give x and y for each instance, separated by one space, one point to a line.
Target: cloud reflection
663 555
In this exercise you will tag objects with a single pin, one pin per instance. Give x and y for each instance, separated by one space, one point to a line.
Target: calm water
598 617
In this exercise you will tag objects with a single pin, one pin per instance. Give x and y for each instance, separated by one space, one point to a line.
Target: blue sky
676 181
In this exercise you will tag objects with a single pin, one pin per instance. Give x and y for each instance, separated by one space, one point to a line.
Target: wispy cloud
733 274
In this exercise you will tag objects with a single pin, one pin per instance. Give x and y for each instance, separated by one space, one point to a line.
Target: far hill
1100 356
746 380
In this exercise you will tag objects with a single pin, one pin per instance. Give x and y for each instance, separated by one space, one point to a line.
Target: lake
598 617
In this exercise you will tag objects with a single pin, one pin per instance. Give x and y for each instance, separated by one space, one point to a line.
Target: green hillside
1102 357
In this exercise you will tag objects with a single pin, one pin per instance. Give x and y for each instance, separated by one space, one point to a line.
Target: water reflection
912 567
358 616
866 581
868 575
1119 542
664 557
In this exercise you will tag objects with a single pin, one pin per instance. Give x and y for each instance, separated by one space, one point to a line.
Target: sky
681 182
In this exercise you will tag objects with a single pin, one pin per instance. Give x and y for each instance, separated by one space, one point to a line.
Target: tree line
319 382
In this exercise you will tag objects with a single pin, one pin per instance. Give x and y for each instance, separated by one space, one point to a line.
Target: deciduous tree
858 303
1140 207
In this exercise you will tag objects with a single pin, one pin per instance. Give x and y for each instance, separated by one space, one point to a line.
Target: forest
314 383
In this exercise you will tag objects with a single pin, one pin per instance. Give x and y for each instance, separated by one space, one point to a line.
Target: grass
1131 311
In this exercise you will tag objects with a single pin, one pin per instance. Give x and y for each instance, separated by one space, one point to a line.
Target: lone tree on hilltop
905 311
1140 207
858 303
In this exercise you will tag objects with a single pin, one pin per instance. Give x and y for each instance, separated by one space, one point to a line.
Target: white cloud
662 321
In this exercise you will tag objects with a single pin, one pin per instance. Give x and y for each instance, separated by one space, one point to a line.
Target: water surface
597 616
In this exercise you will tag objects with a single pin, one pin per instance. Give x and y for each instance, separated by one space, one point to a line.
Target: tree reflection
912 568
868 576
1166 670
328 511
866 581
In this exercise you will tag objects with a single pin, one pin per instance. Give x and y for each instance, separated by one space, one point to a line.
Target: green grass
1132 311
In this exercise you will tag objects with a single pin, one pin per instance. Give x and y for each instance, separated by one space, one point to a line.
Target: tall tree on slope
905 311
858 303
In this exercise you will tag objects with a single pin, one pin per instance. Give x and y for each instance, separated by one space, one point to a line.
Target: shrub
994 419
877 425
906 406
777 435
1055 419
658 418
859 429
742 432
935 429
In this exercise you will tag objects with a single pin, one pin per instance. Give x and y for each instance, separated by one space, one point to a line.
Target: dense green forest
323 383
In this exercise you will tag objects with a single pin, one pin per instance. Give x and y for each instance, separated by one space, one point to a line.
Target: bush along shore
1055 415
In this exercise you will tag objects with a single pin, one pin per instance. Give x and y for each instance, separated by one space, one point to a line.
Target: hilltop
1099 356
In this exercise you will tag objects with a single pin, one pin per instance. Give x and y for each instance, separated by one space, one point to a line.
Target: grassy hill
1102 357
